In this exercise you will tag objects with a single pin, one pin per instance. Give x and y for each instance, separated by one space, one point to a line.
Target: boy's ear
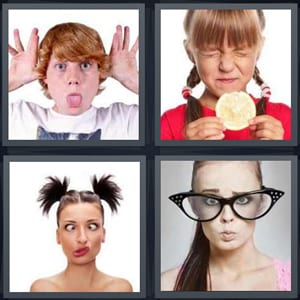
188 51
57 237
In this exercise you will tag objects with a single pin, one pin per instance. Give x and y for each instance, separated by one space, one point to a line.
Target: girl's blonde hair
72 42
211 27
206 27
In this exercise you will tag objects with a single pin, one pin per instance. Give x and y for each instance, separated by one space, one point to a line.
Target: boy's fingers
33 41
18 43
135 46
119 34
114 44
126 38
12 50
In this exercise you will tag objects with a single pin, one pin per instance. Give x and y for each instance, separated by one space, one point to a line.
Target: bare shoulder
168 279
44 285
116 284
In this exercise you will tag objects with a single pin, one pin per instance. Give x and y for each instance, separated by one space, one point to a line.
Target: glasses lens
201 207
252 206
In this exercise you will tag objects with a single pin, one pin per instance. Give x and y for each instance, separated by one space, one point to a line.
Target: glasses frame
273 193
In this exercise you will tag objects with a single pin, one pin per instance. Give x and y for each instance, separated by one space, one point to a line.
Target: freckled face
80 232
227 231
72 85
225 69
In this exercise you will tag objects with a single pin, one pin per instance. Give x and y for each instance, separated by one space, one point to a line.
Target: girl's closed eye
241 53
210 53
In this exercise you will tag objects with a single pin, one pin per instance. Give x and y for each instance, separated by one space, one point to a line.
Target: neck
209 100
80 277
237 260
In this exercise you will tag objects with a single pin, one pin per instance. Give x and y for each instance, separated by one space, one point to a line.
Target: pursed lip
81 251
228 235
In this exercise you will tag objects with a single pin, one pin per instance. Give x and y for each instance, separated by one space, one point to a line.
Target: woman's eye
242 200
69 227
93 226
211 201
85 65
60 66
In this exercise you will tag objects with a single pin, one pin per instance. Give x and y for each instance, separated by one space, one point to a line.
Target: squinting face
226 69
226 179
72 85
80 232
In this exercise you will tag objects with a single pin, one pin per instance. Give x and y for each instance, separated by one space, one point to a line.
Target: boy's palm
23 61
123 60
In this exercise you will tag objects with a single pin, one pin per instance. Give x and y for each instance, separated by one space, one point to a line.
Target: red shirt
172 122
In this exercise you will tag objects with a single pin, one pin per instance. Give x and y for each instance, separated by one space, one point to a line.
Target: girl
223 255
80 231
224 46
70 64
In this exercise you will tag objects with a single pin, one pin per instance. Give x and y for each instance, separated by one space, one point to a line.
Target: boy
70 64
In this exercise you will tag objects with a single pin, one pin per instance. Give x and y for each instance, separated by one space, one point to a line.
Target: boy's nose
73 76
73 82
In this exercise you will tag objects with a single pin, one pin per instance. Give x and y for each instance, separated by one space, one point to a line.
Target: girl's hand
206 128
123 60
23 62
265 127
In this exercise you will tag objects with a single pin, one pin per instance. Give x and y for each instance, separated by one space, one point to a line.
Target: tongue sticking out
74 100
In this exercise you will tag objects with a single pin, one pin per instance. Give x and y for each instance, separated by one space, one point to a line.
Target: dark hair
217 18
55 190
195 269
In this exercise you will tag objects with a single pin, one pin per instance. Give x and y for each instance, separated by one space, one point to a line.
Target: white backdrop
102 20
273 231
274 63
34 252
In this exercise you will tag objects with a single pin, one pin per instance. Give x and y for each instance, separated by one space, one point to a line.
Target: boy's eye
69 227
93 226
60 66
85 65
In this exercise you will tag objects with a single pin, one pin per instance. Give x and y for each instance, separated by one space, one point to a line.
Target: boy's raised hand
23 61
123 60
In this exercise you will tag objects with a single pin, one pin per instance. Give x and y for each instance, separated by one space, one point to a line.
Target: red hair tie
265 91
186 92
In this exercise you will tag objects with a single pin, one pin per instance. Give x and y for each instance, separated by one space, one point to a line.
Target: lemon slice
235 109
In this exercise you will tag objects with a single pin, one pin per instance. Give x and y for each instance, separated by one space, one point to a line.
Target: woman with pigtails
224 46
80 232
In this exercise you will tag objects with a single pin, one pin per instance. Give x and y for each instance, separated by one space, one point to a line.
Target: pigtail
52 192
193 109
107 190
261 104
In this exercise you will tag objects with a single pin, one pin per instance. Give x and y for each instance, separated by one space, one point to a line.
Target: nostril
73 82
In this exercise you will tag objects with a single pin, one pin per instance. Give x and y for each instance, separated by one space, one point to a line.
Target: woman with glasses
226 199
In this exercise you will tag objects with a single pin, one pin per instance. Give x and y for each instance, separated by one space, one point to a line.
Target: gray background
272 233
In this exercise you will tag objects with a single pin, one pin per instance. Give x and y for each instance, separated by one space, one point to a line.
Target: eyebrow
217 192
88 221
